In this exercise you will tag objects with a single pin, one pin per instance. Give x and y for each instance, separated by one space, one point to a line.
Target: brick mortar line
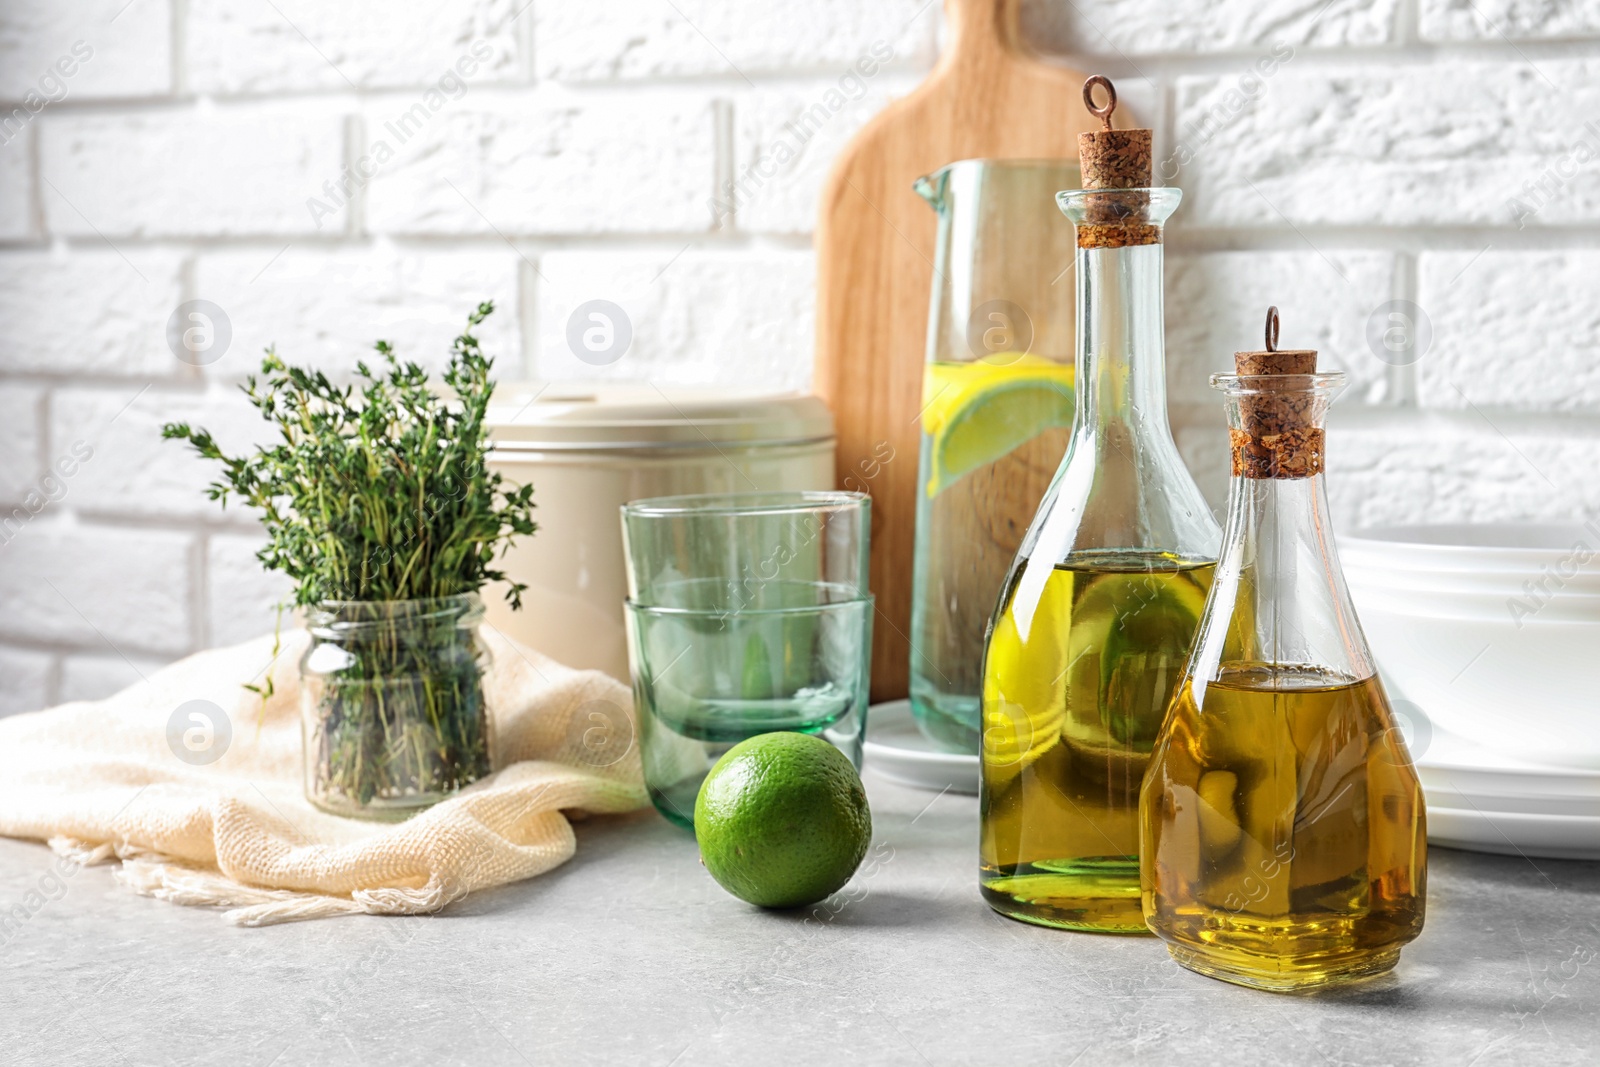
223 525
92 519
200 622
314 102
179 14
1402 378
1568 235
354 131
1573 425
505 87
97 650
1571 236
53 678
528 41
725 160
714 240
97 521
527 318
1408 23
41 412
35 192
1170 65
1331 58
104 382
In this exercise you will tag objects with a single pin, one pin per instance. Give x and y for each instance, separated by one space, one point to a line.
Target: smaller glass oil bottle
1283 840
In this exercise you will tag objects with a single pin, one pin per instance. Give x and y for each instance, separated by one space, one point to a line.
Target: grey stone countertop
631 954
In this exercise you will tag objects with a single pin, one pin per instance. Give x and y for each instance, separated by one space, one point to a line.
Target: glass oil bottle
1283 831
1105 593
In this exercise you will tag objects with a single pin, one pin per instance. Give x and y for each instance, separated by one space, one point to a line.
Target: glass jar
996 411
392 704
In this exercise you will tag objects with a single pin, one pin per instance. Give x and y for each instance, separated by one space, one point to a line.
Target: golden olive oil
1080 666
1284 826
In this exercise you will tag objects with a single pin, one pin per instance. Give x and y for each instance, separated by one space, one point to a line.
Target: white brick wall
106 48
121 304
739 317
333 173
786 139
92 677
20 437
1179 27
27 685
547 162
328 306
99 588
1217 301
621 39
1466 469
1528 20
1517 329
241 596
295 45
1425 149
132 471
186 171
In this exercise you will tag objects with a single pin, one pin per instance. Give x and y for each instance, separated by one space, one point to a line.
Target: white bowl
1501 583
1529 691
1526 548
1568 837
1514 606
1518 674
897 749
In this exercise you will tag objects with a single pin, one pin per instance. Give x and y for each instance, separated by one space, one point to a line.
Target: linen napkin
194 784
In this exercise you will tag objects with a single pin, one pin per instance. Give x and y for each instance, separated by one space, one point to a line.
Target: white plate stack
896 749
1488 637
1485 801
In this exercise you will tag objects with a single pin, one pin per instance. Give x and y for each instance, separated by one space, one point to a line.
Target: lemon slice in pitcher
976 413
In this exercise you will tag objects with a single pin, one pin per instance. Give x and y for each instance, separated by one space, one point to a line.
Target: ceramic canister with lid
590 449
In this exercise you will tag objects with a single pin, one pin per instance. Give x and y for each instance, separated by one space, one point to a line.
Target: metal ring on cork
1103 114
1278 435
1274 360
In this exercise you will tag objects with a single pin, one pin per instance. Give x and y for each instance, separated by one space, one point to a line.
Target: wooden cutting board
875 240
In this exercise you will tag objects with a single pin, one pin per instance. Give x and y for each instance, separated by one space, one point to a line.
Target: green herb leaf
377 491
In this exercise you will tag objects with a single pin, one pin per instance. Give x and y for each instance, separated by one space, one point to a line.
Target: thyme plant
376 496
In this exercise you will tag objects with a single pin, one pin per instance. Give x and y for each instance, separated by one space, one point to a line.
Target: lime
979 412
782 820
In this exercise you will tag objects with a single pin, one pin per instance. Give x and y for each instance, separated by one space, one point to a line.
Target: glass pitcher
997 409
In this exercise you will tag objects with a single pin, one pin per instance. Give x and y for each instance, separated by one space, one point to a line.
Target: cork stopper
1114 159
1278 437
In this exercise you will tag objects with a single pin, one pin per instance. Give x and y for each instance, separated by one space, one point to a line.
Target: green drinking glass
747 613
